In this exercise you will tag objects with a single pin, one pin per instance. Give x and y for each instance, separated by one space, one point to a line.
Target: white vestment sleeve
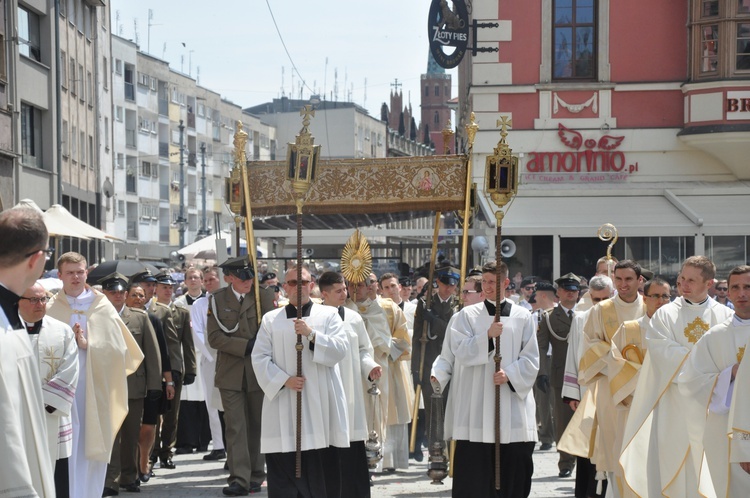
331 344
522 372
470 347
198 318
270 377
721 397
366 359
442 367
59 391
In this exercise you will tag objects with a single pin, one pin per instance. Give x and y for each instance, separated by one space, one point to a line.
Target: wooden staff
425 332
299 346
498 356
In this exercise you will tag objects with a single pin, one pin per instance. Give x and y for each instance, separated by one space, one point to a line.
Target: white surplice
324 417
739 413
705 382
474 391
445 370
27 470
57 356
354 370
658 437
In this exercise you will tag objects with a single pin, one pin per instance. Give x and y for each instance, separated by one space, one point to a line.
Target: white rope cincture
212 302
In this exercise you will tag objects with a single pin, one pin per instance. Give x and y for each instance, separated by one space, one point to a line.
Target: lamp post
501 184
204 229
181 217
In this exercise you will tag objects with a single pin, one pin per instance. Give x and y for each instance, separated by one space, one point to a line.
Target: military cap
449 275
475 272
143 276
267 276
543 285
239 267
532 298
647 274
511 286
528 281
165 277
405 281
114 282
569 281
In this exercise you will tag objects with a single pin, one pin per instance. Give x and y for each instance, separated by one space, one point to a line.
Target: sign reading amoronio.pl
448 31
589 161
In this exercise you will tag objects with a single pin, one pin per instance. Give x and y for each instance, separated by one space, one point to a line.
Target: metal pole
181 219
204 228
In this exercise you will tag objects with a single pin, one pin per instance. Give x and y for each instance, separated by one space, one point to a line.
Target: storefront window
661 255
727 252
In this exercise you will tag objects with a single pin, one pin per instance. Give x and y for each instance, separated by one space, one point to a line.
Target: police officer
146 381
232 326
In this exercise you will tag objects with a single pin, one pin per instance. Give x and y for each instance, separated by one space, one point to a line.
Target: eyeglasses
293 283
36 300
529 287
660 296
465 291
724 289
48 253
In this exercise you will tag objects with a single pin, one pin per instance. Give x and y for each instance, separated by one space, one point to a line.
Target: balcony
164 150
191 120
164 234
130 92
130 139
133 230
163 107
130 184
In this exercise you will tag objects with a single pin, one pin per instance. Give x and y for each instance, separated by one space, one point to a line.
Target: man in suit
181 356
231 327
554 328
122 470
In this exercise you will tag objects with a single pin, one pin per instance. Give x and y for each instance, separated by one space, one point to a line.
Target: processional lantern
302 159
501 184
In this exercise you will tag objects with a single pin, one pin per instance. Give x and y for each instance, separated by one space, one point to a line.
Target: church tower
436 94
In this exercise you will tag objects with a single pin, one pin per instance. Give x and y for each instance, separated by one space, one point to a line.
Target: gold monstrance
302 159
501 184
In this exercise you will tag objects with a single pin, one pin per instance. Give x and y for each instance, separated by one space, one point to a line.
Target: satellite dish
479 243
507 248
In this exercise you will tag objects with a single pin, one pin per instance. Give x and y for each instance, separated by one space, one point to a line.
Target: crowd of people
635 382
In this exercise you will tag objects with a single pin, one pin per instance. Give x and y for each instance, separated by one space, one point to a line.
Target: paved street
194 477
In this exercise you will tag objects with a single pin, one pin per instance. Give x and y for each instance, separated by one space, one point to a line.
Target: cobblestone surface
195 477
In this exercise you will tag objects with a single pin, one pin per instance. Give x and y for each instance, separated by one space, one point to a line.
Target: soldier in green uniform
232 326
146 381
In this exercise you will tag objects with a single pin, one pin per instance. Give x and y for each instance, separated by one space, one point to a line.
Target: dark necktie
570 314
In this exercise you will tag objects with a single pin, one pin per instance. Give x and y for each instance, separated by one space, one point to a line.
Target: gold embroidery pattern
695 330
740 354
52 361
353 185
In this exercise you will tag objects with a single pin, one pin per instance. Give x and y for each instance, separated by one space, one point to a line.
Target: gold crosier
501 184
302 158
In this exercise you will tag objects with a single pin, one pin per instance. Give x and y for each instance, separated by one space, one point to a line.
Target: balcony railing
129 91
130 139
163 107
164 150
132 230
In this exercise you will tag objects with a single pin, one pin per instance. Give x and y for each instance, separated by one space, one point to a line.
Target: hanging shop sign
448 31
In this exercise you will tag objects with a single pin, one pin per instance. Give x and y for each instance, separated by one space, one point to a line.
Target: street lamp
204 231
181 218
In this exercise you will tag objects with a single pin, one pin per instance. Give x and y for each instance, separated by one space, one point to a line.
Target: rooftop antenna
198 75
148 39
135 30
365 102
118 28
164 50
291 93
182 63
336 84
283 92
346 84
325 79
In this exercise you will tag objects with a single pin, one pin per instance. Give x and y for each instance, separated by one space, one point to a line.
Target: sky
335 45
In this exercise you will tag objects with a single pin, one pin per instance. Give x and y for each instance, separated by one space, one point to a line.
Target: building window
437 91
72 75
574 39
118 113
72 4
31 135
720 38
118 66
65 137
106 133
436 119
74 145
427 91
81 84
82 148
28 34
63 69
90 88
129 82
105 73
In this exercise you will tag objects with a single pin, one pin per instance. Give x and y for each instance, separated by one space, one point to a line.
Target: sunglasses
293 283
722 288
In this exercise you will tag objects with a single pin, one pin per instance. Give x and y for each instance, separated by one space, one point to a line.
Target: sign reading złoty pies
448 28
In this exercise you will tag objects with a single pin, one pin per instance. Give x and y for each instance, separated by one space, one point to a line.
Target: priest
23 254
325 423
709 379
601 325
472 339
107 354
659 434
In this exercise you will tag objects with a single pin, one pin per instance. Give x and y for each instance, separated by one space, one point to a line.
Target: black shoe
545 447
183 450
565 473
167 464
110 492
254 487
235 489
133 487
144 477
215 455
